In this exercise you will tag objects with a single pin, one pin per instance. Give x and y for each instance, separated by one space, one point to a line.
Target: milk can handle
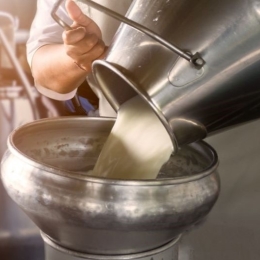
195 59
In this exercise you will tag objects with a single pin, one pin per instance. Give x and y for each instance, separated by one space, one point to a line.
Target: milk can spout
118 87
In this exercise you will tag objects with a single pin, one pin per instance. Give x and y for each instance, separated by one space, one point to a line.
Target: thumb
76 14
81 19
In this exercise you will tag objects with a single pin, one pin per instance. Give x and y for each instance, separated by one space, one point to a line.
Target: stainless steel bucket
210 81
45 173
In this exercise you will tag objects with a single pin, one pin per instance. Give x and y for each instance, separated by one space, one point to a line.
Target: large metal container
45 173
191 99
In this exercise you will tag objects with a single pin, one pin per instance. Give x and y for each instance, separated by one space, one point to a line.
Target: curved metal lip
141 93
152 252
119 182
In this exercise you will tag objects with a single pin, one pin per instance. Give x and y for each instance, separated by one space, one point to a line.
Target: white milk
137 146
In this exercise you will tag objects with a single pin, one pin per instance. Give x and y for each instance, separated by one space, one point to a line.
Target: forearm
53 69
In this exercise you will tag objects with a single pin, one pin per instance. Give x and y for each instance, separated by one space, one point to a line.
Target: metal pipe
20 73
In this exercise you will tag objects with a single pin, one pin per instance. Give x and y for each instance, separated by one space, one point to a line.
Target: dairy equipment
192 101
44 172
182 79
210 83
231 231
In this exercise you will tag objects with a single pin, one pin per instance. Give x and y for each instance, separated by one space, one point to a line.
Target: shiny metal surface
231 231
190 103
56 252
56 17
44 172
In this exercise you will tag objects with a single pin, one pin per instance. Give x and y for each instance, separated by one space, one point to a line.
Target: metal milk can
195 62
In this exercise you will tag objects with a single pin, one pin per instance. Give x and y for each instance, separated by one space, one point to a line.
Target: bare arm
52 68
63 67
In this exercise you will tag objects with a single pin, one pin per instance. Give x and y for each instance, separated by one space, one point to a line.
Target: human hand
83 43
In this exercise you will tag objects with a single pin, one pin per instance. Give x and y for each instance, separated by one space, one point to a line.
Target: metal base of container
56 252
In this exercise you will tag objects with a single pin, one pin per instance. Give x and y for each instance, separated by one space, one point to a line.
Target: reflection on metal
183 74
231 229
224 93
187 131
45 173
54 251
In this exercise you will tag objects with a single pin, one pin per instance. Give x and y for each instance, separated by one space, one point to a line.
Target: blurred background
19 103
17 92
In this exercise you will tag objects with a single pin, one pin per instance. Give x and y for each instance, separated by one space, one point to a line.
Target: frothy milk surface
137 146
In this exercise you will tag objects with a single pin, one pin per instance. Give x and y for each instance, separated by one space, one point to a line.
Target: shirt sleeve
45 30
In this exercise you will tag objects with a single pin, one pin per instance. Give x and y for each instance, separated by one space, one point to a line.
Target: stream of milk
137 146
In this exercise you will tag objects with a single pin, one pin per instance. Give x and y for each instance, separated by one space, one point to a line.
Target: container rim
122 182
